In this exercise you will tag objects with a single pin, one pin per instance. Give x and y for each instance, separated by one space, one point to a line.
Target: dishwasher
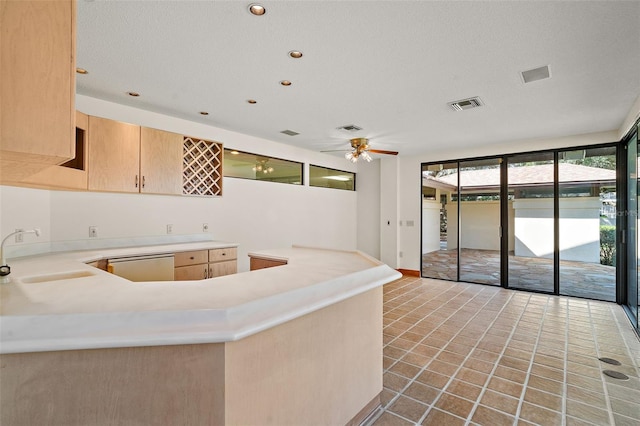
143 268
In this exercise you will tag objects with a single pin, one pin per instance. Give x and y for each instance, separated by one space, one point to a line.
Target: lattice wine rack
201 167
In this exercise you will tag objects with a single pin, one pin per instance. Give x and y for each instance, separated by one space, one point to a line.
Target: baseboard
409 272
366 411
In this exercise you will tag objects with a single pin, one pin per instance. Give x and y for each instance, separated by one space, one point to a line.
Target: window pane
245 165
587 227
440 221
531 222
330 178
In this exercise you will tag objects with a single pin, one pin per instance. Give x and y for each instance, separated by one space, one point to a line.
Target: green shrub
608 245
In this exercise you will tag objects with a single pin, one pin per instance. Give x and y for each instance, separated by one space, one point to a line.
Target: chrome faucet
5 270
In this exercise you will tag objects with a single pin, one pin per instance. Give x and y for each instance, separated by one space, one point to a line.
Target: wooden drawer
217 255
191 258
193 272
259 263
219 269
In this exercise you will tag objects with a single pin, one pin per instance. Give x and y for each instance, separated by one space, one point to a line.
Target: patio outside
590 280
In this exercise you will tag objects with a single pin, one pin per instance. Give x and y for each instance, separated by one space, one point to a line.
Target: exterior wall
480 223
430 226
579 228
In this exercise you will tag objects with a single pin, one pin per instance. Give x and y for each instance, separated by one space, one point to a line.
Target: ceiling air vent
350 128
465 104
290 132
535 74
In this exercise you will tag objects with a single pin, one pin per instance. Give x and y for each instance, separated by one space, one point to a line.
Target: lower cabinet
201 264
256 263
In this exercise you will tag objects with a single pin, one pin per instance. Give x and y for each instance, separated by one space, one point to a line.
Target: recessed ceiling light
295 54
204 113
81 71
257 9
252 101
285 83
134 94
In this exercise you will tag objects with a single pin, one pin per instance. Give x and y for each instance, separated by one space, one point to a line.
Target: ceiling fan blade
381 151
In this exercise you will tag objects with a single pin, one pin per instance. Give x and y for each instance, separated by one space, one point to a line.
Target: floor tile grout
552 337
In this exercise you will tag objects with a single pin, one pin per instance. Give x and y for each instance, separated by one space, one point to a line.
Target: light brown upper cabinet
128 158
160 161
37 88
73 173
114 155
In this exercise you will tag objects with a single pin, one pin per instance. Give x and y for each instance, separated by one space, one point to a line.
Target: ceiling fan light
348 156
366 156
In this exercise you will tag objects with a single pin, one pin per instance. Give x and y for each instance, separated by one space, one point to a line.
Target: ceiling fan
361 148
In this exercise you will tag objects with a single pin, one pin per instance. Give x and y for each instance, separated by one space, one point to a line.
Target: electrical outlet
93 232
409 223
401 254
19 237
205 227
169 229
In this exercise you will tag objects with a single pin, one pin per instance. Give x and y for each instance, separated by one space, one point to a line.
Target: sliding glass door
531 227
542 221
632 293
587 222
479 210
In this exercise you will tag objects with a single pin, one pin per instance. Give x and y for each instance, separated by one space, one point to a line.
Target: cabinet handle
210 273
136 181
144 181
224 254
205 273
192 258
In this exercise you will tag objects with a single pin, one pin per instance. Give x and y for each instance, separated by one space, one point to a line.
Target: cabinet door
160 161
193 272
114 155
219 269
37 88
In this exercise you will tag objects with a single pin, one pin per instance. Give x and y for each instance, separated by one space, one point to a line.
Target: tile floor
457 353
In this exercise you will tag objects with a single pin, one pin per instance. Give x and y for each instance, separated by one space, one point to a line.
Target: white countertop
102 310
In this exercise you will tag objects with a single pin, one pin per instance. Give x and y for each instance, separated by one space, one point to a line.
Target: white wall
388 227
257 215
368 190
480 225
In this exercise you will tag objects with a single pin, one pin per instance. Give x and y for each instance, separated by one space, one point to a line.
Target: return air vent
289 132
350 128
535 74
465 104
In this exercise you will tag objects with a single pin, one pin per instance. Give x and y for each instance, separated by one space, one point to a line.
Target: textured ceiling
389 67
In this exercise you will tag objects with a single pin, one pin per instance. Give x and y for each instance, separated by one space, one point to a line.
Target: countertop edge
113 329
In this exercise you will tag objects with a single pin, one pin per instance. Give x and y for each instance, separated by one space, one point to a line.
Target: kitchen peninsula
293 344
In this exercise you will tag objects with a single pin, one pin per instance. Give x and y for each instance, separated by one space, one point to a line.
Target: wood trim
409 272
366 412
